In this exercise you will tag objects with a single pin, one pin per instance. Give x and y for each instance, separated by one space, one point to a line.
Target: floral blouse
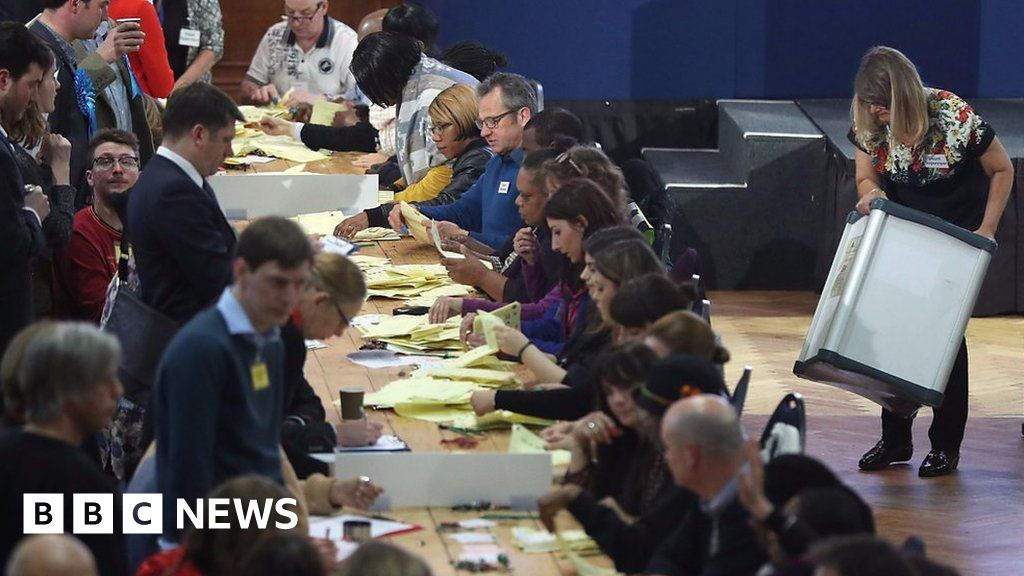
956 133
942 175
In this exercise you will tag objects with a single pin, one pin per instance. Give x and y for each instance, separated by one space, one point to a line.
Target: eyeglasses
439 129
344 318
492 122
870 104
565 157
107 162
302 19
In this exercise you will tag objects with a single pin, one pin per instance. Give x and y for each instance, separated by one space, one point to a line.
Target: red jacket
150 63
83 270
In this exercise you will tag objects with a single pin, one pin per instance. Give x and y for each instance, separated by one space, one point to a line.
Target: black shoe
939 463
885 453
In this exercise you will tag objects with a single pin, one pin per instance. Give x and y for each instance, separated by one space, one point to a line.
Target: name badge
503 187
260 376
936 161
189 37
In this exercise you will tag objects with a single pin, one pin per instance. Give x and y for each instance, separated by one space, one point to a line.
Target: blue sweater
488 209
211 424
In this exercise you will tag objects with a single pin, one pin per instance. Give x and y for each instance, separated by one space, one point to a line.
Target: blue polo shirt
488 209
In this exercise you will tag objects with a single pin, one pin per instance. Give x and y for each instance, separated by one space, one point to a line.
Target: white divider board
256 195
448 479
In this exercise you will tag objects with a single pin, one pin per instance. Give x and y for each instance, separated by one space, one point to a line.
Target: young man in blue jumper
219 389
487 212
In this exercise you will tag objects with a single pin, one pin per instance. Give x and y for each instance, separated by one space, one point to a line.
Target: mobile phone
129 20
411 310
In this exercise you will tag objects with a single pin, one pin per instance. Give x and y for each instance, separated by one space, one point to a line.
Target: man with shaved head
703 443
51 555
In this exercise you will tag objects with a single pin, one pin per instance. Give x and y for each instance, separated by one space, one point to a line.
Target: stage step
751 208
696 168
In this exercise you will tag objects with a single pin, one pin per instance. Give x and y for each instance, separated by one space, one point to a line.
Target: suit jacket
67 119
182 243
21 238
99 71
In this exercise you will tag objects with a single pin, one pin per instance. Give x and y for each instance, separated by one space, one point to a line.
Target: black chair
791 412
702 308
739 393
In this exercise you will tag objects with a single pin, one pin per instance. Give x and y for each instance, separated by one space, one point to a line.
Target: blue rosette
85 95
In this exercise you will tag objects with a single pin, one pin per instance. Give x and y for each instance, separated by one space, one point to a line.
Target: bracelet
523 349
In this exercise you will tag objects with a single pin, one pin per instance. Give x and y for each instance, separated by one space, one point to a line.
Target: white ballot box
895 306
256 195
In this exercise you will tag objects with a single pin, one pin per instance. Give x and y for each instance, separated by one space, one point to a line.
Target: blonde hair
456 105
339 277
886 75
683 332
587 162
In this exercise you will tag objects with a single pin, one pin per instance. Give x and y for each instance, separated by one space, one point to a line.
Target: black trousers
947 429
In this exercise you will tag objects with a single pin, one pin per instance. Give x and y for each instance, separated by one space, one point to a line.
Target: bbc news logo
144 513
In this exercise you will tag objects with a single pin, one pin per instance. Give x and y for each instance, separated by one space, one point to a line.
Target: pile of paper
249 140
412 281
420 391
415 335
417 223
320 223
376 234
531 540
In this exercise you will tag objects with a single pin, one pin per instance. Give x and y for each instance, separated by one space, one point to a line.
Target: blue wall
683 49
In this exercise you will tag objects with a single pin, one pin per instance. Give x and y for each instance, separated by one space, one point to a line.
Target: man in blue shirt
487 212
219 388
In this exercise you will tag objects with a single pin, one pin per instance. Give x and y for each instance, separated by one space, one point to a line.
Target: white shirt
323 70
182 163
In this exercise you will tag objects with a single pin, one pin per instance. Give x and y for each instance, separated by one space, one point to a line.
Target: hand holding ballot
468 270
276 126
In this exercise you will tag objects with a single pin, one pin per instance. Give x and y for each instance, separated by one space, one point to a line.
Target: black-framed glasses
107 162
344 318
492 122
438 129
302 18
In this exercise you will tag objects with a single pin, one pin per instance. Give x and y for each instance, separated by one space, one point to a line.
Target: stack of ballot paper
531 540
412 281
415 335
417 223
376 234
421 391
523 441
324 111
320 223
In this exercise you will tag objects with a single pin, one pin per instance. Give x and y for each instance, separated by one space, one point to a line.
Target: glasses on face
872 104
341 314
303 18
107 162
439 129
492 122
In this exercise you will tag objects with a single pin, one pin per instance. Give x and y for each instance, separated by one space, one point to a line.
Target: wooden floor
974 519
971 520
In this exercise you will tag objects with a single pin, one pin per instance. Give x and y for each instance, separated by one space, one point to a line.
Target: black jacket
305 420
360 137
183 245
67 119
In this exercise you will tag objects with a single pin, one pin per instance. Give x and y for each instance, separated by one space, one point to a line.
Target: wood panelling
245 22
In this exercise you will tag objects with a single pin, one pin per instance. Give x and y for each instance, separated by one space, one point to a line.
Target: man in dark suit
22 61
61 23
183 244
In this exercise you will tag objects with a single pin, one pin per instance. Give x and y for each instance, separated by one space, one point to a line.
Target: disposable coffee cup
351 404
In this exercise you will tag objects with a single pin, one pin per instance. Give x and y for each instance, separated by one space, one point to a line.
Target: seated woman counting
335 295
577 210
617 485
453 116
627 322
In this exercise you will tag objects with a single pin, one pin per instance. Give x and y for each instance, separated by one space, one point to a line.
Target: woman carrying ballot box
927 149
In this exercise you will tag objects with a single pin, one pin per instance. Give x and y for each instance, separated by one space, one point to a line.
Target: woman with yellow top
453 114
927 149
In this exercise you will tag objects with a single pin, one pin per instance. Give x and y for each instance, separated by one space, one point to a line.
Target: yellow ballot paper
581 566
323 112
508 315
523 441
417 223
297 169
376 234
321 223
